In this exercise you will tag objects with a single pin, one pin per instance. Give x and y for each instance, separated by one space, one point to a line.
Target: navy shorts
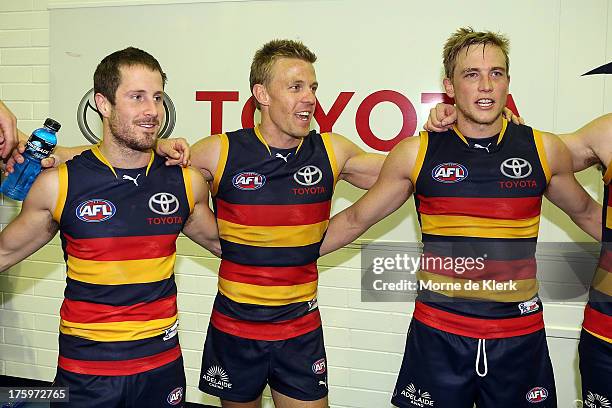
161 387
595 370
238 369
443 370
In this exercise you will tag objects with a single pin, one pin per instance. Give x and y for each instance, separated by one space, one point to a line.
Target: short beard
121 134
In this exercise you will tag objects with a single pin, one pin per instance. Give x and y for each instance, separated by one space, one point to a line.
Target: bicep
205 156
33 227
201 223
563 189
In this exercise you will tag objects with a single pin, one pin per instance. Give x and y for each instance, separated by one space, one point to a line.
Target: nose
150 108
309 97
485 84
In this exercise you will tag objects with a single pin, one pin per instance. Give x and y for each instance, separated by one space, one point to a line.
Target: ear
449 88
104 106
261 94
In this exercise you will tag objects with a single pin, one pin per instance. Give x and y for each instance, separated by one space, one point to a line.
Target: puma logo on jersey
479 146
280 156
126 177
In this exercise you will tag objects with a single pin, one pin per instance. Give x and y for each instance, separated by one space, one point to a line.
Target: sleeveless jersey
598 312
272 207
118 229
479 211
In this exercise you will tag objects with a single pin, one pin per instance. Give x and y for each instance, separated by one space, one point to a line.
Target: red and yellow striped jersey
478 202
118 230
272 207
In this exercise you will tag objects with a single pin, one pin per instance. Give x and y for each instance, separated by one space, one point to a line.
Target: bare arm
591 144
201 226
392 189
356 166
34 226
8 131
565 192
443 116
205 156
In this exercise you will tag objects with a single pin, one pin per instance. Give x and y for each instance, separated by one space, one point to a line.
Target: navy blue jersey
272 207
478 203
118 231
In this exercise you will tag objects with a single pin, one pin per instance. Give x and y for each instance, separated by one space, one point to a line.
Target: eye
137 97
471 75
497 73
295 87
158 98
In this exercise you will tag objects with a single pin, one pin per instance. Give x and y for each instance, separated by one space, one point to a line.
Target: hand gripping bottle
39 146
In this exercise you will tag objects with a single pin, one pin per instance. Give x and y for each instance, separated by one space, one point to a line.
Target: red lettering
248 113
216 99
362 119
326 121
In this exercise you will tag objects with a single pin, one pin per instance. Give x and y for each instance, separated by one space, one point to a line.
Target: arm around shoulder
355 165
393 187
205 154
564 190
201 226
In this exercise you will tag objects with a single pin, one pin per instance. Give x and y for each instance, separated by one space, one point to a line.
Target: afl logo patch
318 367
249 180
96 210
176 396
449 173
537 394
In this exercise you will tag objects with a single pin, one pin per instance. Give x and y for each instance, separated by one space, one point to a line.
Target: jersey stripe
273 215
477 327
272 331
272 236
267 295
456 225
120 367
87 312
497 208
121 248
268 275
121 272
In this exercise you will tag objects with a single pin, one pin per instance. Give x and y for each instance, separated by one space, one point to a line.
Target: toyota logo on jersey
95 210
163 203
308 175
515 168
249 180
449 173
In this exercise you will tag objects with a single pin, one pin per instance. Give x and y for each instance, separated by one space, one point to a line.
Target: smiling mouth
485 102
303 116
148 125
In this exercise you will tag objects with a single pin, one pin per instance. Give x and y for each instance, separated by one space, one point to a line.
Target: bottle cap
51 124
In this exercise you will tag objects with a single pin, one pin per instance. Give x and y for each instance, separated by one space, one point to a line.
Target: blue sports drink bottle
39 146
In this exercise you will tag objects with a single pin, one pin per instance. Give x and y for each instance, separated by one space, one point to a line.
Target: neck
469 128
123 157
275 137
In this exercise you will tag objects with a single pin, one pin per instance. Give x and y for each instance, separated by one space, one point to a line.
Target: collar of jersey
499 139
262 140
96 151
608 174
